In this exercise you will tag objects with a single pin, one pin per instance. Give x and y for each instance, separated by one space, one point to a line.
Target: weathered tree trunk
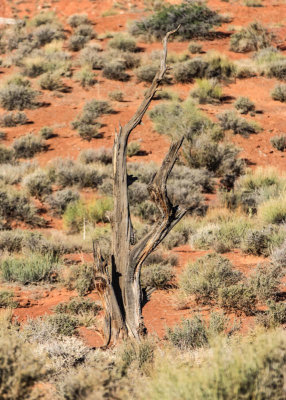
119 284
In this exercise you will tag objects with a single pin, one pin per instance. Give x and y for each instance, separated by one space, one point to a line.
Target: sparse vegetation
207 91
279 142
252 38
27 146
244 105
279 93
17 97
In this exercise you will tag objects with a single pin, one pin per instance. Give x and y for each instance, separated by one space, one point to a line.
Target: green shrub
13 119
238 298
277 70
34 269
206 276
194 47
102 155
273 211
59 200
251 38
6 299
99 209
90 57
279 142
38 184
64 324
207 91
6 155
74 216
156 276
229 120
27 146
15 97
85 30
21 368
187 71
43 18
123 42
279 93
116 95
244 105
195 18
257 243
278 255
133 148
47 132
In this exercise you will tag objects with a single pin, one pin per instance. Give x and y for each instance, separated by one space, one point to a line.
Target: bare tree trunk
119 284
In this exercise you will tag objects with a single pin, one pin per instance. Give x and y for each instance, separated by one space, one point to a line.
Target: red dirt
161 311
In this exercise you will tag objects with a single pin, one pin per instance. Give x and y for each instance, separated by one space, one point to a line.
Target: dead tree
118 280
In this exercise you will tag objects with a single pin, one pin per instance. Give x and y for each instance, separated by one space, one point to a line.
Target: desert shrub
13 119
64 324
273 211
34 66
116 95
219 158
277 70
59 200
38 184
194 333
194 47
43 18
27 146
278 255
77 306
6 299
85 77
229 120
279 93
265 281
139 355
6 155
85 30
147 211
274 316
66 172
123 42
102 155
15 97
21 368
90 56
46 34
99 208
206 276
189 70
75 216
97 107
52 81
34 269
81 279
156 276
196 20
115 70
207 91
251 38
46 132
77 42
238 298
13 173
224 372
16 206
219 66
133 148
279 142
78 19
257 242
244 105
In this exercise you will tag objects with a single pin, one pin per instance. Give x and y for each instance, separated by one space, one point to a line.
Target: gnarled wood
119 288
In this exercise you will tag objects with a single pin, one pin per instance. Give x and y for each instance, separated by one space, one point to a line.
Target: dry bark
118 280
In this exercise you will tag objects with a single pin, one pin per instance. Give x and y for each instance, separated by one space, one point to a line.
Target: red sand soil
162 310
